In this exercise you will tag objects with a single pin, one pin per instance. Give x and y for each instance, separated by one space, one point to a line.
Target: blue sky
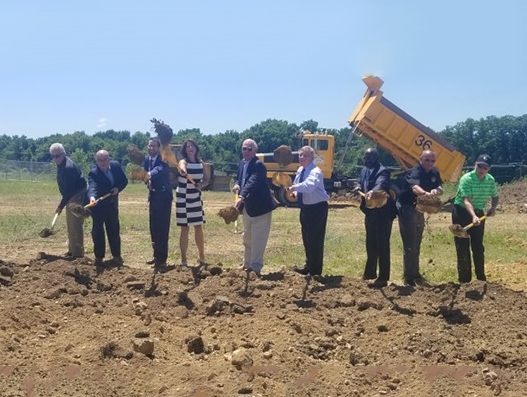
216 65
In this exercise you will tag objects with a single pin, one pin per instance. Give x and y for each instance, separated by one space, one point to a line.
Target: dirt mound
513 197
69 328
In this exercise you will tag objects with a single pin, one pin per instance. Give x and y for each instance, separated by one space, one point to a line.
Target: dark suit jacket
69 179
256 193
376 179
159 175
99 184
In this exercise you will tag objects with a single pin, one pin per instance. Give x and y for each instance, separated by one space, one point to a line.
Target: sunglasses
247 149
56 156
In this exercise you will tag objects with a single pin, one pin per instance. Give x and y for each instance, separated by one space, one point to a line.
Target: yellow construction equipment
400 134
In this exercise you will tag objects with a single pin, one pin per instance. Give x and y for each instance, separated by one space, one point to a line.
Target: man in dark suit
72 187
422 179
107 177
160 202
378 221
257 203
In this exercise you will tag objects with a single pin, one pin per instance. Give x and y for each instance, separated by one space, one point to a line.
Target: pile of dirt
513 197
70 328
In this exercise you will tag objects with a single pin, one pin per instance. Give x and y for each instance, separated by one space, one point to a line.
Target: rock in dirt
139 285
145 346
142 334
114 350
195 345
7 272
54 294
240 358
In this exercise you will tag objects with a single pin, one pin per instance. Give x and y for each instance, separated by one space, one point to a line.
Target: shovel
81 212
96 201
460 231
377 199
49 232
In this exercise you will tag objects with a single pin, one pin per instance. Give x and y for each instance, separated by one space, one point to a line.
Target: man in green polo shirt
473 192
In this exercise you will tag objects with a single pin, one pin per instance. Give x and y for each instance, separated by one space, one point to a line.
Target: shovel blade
458 231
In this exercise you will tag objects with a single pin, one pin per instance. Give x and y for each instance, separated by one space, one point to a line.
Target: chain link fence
27 170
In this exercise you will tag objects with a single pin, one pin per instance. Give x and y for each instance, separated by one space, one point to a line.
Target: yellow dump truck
385 124
400 134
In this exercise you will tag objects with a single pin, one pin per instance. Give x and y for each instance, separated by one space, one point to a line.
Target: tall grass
27 207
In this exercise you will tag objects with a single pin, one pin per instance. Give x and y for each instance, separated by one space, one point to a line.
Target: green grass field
27 207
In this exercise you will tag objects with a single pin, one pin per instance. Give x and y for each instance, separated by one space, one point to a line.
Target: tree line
504 138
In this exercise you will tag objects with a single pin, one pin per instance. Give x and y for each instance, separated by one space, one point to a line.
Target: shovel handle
54 220
189 178
96 201
482 218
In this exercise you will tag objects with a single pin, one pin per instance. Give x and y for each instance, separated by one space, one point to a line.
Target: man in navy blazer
107 177
160 203
375 177
257 203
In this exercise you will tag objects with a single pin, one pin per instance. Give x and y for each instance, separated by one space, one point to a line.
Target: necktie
151 164
367 179
244 173
109 175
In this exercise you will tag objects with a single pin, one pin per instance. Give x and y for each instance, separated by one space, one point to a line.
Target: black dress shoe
378 284
369 277
151 261
409 283
301 270
118 260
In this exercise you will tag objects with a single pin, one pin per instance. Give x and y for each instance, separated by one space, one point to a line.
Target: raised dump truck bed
400 134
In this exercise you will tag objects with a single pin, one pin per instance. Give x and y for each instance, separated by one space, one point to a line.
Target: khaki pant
75 226
255 235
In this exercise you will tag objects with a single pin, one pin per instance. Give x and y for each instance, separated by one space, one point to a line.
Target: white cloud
102 122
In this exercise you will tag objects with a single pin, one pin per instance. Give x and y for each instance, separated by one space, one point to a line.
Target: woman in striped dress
189 204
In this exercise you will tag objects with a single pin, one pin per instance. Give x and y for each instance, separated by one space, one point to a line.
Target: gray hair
57 148
251 143
102 153
308 150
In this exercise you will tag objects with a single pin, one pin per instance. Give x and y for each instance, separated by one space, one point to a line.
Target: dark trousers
461 217
313 219
160 212
106 216
411 226
378 223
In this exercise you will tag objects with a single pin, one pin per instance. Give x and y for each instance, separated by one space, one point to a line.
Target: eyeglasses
247 149
483 166
429 160
56 156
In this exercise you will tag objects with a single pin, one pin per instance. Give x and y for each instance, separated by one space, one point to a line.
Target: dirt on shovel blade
46 232
78 210
458 230
229 214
